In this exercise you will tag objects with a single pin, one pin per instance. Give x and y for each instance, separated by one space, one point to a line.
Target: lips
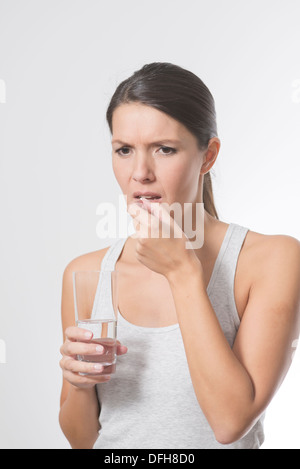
153 196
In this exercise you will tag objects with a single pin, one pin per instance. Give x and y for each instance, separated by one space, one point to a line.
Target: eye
168 150
120 151
124 151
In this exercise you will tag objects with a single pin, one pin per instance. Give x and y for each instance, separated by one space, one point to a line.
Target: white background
60 62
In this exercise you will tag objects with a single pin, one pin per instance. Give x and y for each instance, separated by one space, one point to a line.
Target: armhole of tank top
219 260
101 286
235 314
103 291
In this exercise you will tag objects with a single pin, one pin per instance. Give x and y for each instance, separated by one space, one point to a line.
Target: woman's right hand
78 342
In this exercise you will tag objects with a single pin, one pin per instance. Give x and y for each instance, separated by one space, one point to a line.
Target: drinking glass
96 310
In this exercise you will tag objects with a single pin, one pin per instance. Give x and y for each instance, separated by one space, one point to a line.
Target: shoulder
285 249
272 251
261 241
88 261
274 264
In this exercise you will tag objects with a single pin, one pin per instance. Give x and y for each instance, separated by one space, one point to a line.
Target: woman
206 332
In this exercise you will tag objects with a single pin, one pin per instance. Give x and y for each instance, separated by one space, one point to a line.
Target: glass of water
96 310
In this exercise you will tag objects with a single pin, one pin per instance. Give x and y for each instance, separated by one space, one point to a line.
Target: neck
209 234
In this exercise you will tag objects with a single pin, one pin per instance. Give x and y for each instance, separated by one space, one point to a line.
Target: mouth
147 196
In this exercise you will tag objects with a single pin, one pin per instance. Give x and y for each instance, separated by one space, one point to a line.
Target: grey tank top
150 403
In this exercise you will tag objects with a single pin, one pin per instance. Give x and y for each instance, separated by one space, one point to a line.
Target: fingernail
88 335
99 348
98 366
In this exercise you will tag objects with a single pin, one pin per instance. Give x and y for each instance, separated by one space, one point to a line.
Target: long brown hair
182 95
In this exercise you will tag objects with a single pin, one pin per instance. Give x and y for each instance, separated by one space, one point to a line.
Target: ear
210 155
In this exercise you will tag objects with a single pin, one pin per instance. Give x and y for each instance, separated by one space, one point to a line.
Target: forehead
138 122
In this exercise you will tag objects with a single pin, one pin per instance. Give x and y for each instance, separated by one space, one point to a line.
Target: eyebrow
159 142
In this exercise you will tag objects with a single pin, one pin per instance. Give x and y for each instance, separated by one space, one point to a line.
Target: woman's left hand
161 244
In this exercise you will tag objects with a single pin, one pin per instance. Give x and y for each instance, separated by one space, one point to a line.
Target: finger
169 224
146 225
77 366
121 349
78 334
152 208
81 348
162 224
161 211
138 212
135 209
145 207
160 214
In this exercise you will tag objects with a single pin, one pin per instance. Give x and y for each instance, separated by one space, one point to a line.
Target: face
154 153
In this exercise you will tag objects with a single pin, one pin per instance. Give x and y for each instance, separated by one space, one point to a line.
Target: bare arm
79 412
78 417
234 386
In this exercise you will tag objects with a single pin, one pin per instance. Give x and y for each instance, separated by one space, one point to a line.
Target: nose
143 170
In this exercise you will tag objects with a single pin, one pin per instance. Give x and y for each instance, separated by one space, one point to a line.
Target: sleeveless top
149 402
